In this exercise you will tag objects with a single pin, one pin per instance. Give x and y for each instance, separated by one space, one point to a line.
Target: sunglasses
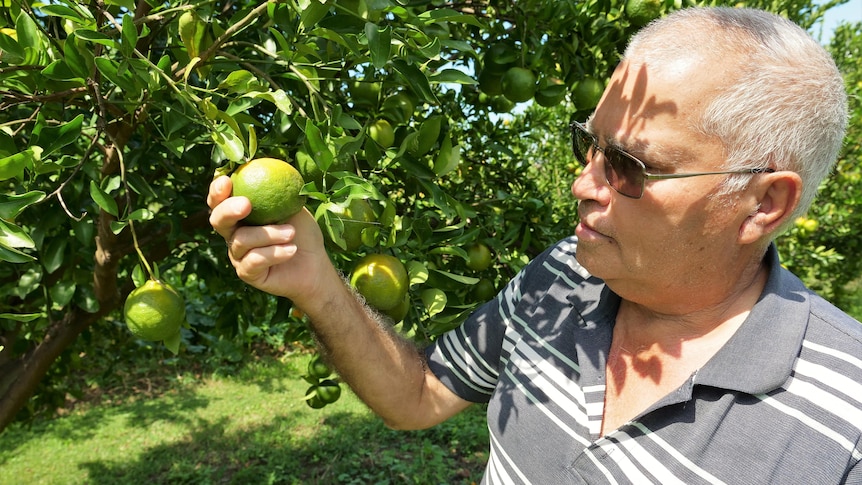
625 173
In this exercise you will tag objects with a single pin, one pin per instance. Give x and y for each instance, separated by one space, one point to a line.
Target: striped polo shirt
781 402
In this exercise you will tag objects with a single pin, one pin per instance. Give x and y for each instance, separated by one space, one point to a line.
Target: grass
249 425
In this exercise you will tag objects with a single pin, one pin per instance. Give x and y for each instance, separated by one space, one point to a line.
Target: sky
850 12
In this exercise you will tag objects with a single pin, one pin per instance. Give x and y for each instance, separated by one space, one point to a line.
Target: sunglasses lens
623 173
582 143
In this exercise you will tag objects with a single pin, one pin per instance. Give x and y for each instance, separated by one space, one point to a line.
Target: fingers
248 238
256 265
226 211
220 189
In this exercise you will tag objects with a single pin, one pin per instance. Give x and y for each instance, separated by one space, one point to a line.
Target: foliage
116 115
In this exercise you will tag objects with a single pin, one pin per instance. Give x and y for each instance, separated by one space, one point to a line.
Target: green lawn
247 427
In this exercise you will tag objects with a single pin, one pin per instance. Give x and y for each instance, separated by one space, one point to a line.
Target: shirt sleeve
468 359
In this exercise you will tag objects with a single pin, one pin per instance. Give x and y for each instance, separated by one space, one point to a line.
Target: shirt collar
760 355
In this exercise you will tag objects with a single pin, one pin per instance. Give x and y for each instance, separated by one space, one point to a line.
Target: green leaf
86 299
452 76
172 343
279 98
103 200
118 226
95 37
22 317
13 53
434 300
429 132
53 138
430 50
110 70
418 272
141 215
62 293
54 254
416 79
129 35
379 43
59 70
233 125
252 141
230 144
451 15
29 34
127 4
14 165
139 276
467 280
66 12
448 157
241 82
192 29
318 149
12 205
14 256
13 236
312 12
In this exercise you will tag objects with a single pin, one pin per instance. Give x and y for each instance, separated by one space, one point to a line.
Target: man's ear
775 196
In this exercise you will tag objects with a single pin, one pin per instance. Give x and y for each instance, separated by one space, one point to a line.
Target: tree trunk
20 377
25 372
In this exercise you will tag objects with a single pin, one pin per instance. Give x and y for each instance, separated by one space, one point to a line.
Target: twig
251 17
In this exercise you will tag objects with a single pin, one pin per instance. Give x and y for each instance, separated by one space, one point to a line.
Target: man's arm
385 370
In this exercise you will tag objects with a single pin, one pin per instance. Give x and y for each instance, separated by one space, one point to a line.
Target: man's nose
590 184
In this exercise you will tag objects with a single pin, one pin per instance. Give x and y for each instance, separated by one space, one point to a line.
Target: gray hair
787 106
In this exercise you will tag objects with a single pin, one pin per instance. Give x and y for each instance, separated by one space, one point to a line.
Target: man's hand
286 260
290 260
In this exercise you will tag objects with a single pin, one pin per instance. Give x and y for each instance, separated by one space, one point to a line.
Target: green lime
400 311
328 391
318 368
550 92
641 12
382 132
587 93
484 290
490 82
478 257
518 84
154 311
365 93
381 279
312 399
399 108
272 186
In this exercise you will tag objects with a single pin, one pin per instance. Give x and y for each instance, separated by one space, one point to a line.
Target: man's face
679 234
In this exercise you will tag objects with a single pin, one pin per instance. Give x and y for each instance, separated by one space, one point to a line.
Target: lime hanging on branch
155 311
382 280
642 12
587 93
518 84
272 186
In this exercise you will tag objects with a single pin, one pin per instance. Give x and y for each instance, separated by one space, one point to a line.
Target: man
664 343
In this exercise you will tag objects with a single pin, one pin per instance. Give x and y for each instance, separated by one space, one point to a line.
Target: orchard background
115 115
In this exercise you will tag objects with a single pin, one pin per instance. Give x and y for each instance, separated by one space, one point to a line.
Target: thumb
220 189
